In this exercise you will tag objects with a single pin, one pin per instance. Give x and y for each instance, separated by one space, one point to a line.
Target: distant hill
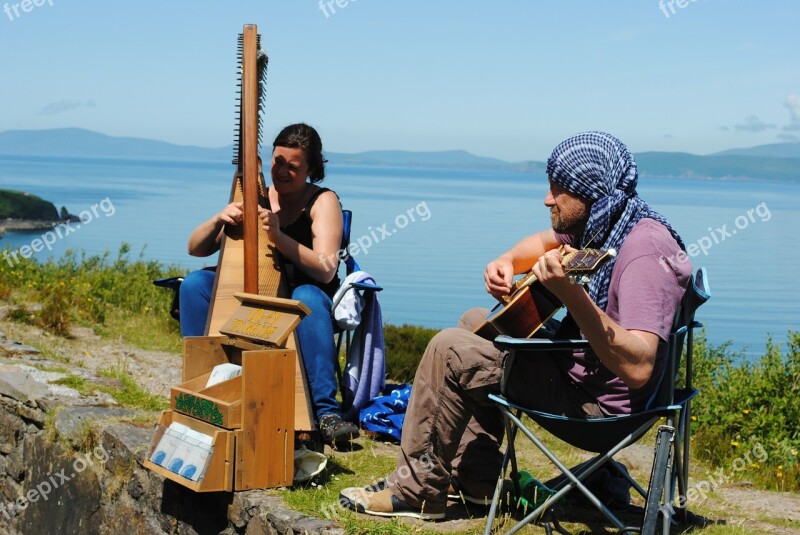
453 159
81 143
773 150
684 165
779 161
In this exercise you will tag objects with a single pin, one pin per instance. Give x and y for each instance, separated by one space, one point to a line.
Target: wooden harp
248 261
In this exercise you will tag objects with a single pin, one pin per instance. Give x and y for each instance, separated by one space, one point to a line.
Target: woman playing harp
304 222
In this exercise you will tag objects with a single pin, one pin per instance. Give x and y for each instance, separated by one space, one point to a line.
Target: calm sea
426 234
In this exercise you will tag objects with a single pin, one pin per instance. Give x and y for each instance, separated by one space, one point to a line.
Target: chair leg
574 480
680 466
509 455
660 478
686 433
341 336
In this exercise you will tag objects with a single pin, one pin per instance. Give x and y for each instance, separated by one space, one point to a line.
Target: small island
23 211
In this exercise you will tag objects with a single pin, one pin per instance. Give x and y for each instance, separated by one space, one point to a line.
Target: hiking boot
335 431
381 503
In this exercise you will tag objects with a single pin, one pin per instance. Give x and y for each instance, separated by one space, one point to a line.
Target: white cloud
793 103
754 124
64 105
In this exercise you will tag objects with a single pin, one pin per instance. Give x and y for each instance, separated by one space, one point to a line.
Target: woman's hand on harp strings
231 214
205 239
270 222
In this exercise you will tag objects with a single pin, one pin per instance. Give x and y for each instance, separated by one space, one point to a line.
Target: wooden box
250 417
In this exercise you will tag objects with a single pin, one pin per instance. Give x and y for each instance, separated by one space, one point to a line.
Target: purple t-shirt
647 284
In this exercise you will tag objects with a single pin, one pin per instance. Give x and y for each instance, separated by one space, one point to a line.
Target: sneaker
381 503
335 431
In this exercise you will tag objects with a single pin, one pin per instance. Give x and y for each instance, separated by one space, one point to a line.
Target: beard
565 225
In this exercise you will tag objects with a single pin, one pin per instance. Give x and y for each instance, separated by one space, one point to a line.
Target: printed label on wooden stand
269 320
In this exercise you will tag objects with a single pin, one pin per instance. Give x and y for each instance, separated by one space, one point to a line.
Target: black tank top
300 231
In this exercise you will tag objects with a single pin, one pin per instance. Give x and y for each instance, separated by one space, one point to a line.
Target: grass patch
130 394
21 314
745 418
147 331
74 382
49 425
404 348
115 296
47 368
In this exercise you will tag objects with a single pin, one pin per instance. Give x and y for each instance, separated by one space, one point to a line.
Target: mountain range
778 161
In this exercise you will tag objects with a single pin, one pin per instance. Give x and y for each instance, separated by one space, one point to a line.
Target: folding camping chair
607 436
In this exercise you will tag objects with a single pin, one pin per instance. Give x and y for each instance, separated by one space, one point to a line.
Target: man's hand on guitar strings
498 277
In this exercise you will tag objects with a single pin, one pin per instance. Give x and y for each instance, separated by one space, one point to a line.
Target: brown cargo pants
452 429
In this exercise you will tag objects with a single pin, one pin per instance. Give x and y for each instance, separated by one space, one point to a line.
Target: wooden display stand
250 417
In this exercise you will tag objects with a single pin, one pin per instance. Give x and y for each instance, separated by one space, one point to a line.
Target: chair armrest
172 282
514 345
538 344
365 286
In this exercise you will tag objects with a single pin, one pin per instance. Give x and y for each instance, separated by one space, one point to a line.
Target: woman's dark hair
303 136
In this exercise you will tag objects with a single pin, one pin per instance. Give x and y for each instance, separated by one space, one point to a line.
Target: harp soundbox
248 261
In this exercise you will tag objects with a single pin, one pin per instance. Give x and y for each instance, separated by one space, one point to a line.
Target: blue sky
507 79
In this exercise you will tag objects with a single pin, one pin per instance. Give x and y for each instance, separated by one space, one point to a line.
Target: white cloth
348 303
307 464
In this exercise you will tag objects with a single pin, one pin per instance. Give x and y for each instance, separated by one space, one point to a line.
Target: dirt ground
730 507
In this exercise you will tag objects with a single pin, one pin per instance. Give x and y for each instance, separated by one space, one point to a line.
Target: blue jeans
315 333
195 300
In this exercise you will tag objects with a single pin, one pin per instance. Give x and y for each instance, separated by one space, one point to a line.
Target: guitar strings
582 263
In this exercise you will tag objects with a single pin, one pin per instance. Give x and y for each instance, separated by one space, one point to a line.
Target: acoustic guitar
530 305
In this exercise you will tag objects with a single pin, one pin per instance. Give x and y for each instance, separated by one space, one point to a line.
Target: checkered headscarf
598 167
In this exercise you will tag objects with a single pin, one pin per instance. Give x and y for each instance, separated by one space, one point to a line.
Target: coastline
24 225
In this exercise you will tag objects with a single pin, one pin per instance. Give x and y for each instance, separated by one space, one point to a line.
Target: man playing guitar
452 432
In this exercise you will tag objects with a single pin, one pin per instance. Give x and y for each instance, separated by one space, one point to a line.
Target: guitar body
530 304
523 315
